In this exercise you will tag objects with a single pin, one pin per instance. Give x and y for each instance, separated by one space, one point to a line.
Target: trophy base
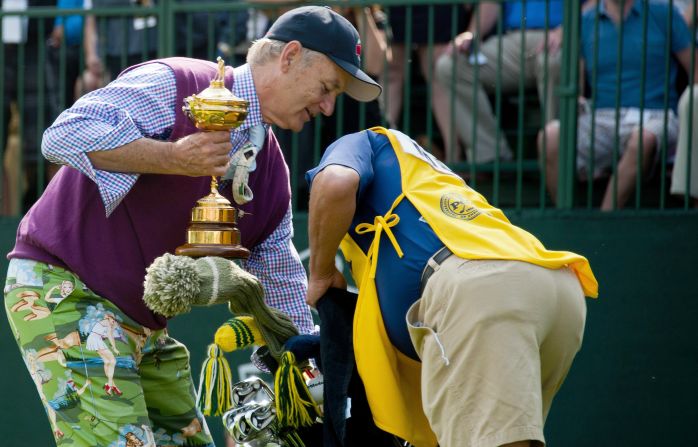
222 251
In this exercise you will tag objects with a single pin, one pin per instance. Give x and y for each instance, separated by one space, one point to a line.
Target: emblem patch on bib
456 206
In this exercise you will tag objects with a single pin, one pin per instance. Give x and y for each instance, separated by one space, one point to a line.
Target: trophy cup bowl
213 113
212 230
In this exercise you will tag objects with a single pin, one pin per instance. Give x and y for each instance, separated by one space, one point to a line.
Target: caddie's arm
332 207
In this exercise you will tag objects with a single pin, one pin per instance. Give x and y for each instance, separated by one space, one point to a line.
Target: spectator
374 53
68 33
474 47
682 172
470 344
232 37
64 46
419 44
601 150
207 33
372 24
121 41
137 165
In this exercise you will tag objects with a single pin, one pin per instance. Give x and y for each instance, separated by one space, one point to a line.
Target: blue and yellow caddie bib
472 229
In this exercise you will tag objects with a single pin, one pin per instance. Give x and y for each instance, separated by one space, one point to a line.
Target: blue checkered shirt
141 104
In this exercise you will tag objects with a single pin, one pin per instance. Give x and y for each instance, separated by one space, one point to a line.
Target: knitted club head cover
175 283
238 333
171 283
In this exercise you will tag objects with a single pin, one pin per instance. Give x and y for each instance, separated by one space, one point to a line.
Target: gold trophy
212 230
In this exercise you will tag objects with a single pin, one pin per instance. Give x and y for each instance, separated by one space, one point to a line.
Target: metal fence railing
487 112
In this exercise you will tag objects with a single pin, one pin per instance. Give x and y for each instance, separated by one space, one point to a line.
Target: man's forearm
198 154
142 156
332 207
90 38
488 13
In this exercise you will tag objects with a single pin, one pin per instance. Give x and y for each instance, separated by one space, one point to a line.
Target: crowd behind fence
546 104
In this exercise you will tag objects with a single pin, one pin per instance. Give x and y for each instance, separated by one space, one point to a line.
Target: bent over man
466 325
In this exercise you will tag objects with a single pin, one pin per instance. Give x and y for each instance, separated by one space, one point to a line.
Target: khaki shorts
496 340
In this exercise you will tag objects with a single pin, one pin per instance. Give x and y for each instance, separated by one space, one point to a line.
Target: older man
136 167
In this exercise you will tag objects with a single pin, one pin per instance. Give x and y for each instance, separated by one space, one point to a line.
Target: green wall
635 381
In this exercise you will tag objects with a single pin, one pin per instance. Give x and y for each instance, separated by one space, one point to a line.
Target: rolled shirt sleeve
138 104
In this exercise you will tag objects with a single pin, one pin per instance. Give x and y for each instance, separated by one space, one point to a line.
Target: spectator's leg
71 76
11 165
13 183
439 95
681 169
37 115
470 100
549 163
5 205
114 67
392 98
627 168
548 79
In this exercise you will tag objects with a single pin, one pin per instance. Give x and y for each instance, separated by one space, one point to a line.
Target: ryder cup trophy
212 230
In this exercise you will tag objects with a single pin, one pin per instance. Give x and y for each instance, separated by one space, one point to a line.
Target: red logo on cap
358 50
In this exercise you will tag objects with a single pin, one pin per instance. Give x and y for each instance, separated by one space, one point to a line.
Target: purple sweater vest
67 226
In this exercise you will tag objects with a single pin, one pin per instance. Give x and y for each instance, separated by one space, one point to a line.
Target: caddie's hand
203 153
317 286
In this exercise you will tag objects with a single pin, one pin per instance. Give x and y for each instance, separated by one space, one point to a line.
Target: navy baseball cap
321 29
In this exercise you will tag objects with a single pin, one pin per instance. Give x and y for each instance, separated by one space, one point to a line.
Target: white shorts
602 149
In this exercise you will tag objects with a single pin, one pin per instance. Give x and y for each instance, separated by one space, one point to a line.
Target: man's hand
202 153
462 43
554 42
317 287
56 36
93 64
196 155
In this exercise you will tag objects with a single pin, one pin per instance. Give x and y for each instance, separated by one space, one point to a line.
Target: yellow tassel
291 439
215 377
295 406
238 333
